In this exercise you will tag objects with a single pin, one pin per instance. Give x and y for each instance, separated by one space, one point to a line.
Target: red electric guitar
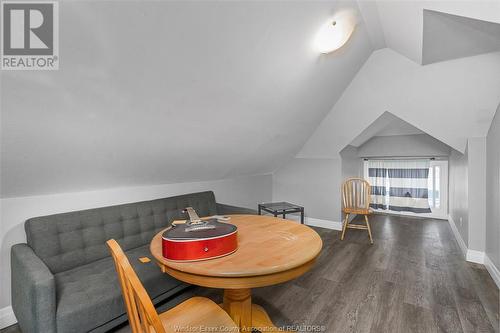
198 239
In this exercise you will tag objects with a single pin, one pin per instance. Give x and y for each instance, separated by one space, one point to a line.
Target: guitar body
212 239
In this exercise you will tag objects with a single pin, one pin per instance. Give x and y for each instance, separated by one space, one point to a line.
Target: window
433 186
387 194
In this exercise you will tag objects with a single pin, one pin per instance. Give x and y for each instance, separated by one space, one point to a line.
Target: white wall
467 195
403 146
312 183
493 192
246 192
352 166
458 193
477 193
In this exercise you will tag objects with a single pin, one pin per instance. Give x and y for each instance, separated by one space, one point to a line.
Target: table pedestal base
249 317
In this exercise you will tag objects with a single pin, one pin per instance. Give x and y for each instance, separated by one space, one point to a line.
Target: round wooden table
270 251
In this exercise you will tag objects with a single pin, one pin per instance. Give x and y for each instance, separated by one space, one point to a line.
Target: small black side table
281 208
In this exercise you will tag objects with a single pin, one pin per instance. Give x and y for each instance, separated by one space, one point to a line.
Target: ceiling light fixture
334 33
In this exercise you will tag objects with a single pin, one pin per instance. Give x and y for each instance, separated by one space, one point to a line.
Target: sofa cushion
65 241
90 295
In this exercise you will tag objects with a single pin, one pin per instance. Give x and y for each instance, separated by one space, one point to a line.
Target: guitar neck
193 217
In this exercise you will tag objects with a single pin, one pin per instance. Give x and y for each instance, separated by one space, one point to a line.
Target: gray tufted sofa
64 280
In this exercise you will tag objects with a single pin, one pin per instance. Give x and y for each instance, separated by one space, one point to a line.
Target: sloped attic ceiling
451 100
385 125
373 141
402 22
152 92
447 36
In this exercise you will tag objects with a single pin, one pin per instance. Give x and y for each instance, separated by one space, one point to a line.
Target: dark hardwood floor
413 279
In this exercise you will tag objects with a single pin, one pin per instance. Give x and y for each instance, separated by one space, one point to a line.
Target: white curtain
377 177
399 185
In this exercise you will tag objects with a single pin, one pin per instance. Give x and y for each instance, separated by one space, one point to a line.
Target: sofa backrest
64 241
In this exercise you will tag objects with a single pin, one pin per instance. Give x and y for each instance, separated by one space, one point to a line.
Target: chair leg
369 229
344 227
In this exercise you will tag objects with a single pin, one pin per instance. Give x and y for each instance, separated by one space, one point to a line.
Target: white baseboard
469 255
458 237
7 317
493 270
475 256
410 214
334 225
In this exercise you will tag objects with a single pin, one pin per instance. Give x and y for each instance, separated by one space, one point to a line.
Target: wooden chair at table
356 198
197 314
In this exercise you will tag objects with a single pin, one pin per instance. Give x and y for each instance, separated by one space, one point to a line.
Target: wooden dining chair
356 198
197 314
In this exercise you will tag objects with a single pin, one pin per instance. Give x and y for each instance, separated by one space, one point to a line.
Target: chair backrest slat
140 310
356 193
